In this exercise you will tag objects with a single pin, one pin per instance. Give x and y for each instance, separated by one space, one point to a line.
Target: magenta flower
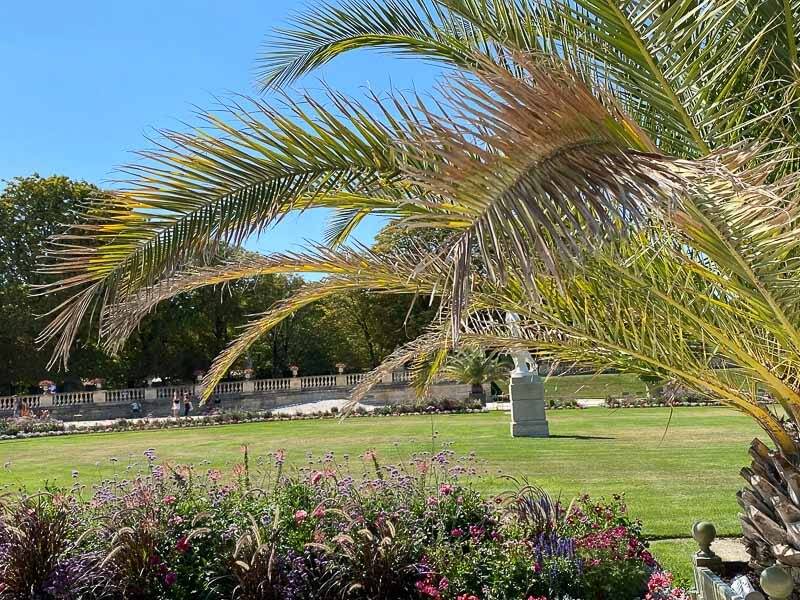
300 516
170 578
182 545
169 500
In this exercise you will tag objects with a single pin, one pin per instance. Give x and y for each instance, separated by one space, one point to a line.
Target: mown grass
573 387
673 471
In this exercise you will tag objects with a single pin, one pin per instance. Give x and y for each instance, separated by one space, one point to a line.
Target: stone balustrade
776 581
223 389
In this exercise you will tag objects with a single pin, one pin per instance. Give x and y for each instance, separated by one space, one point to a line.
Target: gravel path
303 409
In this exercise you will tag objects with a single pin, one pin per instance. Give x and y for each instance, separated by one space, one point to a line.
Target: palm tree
476 367
622 175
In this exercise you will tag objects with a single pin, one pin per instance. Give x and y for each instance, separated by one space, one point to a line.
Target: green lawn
571 387
691 474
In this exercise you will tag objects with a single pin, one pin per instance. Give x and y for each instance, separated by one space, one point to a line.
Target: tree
622 176
31 210
476 367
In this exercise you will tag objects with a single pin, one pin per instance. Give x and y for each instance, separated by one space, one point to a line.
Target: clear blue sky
84 82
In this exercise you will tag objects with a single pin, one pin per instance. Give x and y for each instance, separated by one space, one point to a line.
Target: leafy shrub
23 425
352 529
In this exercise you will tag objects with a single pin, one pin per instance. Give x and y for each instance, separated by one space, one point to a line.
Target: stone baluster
776 582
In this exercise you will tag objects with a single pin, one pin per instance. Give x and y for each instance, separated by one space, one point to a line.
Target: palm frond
207 191
351 269
420 28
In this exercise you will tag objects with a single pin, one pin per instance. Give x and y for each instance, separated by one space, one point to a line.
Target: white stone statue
524 365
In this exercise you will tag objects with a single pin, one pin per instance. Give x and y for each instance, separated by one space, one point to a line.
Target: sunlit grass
691 473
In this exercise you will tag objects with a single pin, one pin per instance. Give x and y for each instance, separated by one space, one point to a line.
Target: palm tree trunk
476 393
771 505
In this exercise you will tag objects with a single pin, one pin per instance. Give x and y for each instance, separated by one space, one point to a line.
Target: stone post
704 533
527 406
295 384
151 393
45 400
776 582
341 380
98 396
248 386
387 377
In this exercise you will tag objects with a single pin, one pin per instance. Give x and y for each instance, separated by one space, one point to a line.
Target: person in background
136 408
187 404
17 407
176 404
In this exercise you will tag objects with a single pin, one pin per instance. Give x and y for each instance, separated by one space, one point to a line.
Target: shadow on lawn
581 437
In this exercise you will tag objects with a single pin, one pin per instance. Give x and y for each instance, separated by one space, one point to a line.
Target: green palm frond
348 269
412 27
206 191
692 74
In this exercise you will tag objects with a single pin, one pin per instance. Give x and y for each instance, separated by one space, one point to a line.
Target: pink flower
467 597
648 559
318 513
315 477
214 474
170 578
182 545
659 581
445 489
457 532
170 499
432 501
300 516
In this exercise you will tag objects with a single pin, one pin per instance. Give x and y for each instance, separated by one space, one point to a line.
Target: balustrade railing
168 391
165 393
129 395
401 376
318 381
271 385
7 402
229 387
72 398
354 378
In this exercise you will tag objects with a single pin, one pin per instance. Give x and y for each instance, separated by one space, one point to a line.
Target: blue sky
86 81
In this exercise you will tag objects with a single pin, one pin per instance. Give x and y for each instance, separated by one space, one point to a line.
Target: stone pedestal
527 407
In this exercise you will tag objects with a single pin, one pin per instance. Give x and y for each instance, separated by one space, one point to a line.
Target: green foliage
184 334
354 529
476 366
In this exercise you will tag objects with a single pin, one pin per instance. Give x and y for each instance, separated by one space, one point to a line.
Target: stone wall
117 405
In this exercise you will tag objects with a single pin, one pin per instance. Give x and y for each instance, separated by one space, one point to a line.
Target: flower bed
655 403
33 427
352 528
